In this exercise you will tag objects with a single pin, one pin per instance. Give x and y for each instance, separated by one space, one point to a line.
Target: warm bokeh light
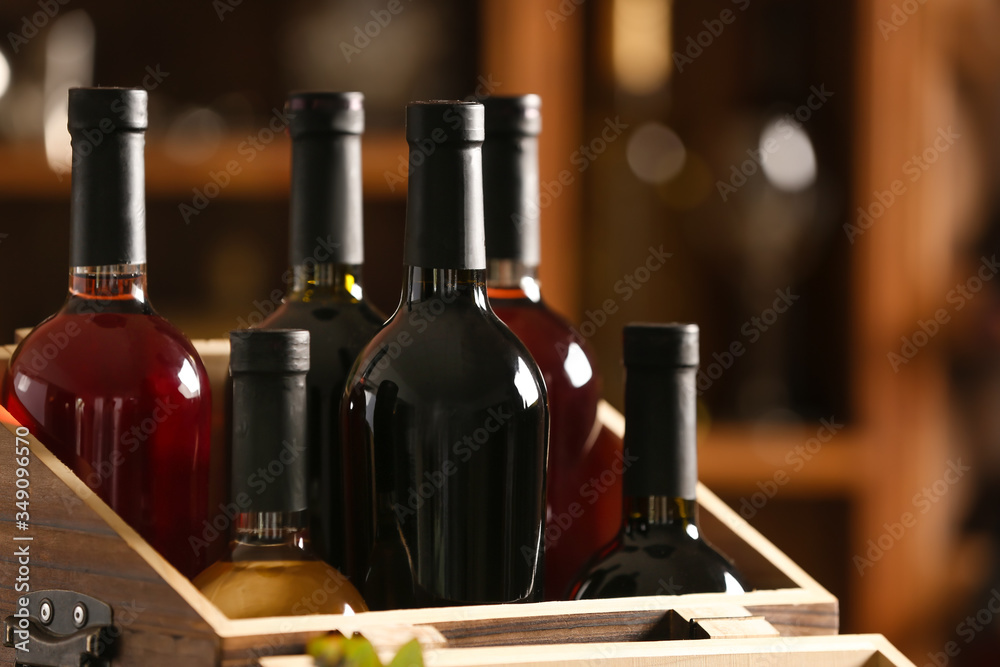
789 161
69 62
655 153
641 44
4 75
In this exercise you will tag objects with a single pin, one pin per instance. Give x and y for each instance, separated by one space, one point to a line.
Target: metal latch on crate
60 629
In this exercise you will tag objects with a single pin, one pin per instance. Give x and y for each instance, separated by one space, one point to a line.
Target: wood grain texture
840 651
79 544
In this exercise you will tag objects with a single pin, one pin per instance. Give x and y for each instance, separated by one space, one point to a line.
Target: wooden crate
839 651
79 544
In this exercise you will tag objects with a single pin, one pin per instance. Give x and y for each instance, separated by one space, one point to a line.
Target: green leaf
409 655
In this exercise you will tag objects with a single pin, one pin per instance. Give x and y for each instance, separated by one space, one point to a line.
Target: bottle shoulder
249 587
449 351
545 332
326 316
664 563
122 348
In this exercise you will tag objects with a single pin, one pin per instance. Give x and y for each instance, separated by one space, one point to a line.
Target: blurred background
822 173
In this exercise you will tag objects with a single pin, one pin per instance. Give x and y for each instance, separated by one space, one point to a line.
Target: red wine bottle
113 389
326 254
581 516
660 550
445 412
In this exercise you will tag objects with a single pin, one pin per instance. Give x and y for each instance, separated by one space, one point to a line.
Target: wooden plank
24 171
524 53
387 640
732 628
102 557
839 651
905 94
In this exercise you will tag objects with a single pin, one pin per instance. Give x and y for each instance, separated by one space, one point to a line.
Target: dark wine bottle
580 520
660 550
113 389
326 255
445 413
270 569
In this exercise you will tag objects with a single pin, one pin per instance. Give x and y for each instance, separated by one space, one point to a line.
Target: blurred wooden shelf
262 174
737 458
734 458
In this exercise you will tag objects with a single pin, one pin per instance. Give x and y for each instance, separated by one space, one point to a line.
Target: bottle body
340 324
585 466
657 558
583 493
122 398
275 573
446 414
326 250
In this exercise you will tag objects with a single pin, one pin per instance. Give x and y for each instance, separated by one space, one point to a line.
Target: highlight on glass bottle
445 413
270 568
579 520
125 402
660 549
326 253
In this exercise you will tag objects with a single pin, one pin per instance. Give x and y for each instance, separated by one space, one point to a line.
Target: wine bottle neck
328 280
445 287
661 431
644 512
444 206
326 199
270 528
108 212
510 278
511 197
120 282
269 440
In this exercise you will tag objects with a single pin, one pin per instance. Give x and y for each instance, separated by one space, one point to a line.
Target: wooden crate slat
104 558
838 651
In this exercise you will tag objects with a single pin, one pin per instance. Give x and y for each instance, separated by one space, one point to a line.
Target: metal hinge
60 629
